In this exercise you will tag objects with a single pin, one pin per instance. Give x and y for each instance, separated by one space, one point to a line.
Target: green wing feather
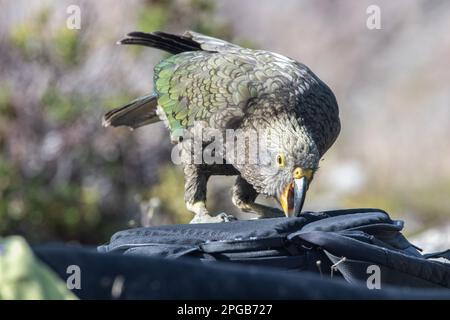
193 86
217 86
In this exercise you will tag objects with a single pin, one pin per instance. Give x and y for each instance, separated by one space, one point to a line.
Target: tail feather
168 42
137 113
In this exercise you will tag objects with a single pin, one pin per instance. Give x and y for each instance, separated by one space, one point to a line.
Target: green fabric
24 277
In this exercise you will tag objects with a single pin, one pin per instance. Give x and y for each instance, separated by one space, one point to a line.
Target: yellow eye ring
281 160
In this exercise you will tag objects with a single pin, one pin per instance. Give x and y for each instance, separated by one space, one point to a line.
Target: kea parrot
216 85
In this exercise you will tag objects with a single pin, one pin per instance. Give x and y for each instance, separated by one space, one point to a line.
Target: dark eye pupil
279 159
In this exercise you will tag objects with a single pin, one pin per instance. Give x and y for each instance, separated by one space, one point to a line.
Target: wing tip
105 122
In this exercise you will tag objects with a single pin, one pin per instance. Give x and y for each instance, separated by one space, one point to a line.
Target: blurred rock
433 240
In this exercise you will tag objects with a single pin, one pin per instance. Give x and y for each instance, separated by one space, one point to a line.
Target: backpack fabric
351 244
118 276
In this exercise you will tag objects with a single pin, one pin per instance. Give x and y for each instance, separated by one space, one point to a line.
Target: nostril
298 173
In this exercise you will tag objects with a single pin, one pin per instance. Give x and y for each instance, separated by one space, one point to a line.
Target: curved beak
300 188
293 196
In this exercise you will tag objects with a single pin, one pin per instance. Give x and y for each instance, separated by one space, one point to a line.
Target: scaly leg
196 180
244 196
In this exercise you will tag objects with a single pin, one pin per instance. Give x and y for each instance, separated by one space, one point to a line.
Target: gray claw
206 218
226 217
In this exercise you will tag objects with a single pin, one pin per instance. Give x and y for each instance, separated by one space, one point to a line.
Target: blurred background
65 178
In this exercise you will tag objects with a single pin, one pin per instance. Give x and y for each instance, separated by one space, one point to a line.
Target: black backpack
355 244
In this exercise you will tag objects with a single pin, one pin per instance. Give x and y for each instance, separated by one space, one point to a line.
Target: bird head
292 186
295 160
287 162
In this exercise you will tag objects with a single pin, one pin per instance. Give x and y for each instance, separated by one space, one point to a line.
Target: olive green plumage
227 86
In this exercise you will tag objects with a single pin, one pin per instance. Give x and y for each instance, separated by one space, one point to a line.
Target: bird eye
281 160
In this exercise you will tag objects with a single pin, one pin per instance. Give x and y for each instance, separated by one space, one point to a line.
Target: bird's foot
203 216
206 218
261 211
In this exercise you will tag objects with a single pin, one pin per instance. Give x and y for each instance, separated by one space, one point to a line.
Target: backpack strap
373 221
341 244
241 245
441 254
398 262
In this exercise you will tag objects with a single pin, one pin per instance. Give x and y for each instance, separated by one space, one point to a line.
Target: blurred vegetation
62 108
155 16
170 184
62 176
